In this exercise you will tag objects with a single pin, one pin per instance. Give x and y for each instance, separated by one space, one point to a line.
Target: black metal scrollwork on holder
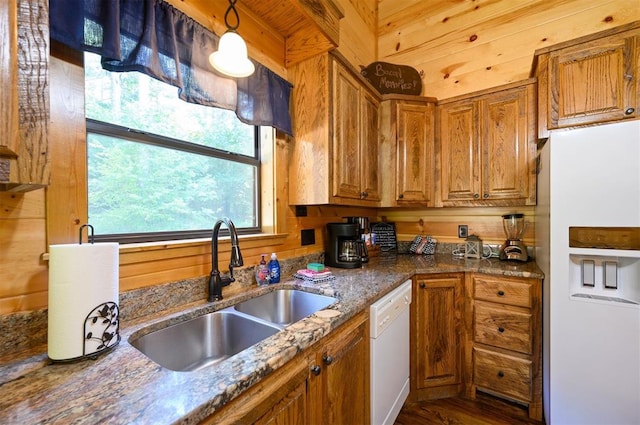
102 325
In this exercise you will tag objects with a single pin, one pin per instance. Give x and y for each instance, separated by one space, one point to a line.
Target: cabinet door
9 132
593 82
415 153
290 410
436 309
24 97
505 144
345 382
282 398
460 151
346 127
370 147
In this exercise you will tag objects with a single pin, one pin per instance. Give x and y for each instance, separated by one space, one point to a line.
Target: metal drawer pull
500 374
629 111
316 370
500 329
501 293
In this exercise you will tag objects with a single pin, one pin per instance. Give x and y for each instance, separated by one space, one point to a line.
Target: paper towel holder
101 327
89 233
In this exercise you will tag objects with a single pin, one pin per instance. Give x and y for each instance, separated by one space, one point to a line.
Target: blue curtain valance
153 37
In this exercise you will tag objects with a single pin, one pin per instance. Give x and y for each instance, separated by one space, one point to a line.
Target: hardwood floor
485 410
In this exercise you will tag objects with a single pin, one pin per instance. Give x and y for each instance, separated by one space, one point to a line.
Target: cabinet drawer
504 291
502 328
507 375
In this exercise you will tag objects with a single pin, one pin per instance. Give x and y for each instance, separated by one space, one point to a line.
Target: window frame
137 136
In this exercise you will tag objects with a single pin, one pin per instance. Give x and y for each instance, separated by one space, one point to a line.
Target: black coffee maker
363 228
343 246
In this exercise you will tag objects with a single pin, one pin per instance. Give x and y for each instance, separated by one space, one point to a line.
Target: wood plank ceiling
468 45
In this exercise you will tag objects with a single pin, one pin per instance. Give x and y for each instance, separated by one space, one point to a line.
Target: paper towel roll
83 300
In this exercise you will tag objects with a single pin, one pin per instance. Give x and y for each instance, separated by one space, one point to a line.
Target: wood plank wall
30 222
414 33
442 223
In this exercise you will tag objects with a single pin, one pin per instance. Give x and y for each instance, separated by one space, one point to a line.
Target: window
160 168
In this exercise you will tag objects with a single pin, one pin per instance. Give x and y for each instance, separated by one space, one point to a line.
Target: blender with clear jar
513 248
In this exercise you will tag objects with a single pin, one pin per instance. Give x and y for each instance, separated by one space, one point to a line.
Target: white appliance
590 177
389 332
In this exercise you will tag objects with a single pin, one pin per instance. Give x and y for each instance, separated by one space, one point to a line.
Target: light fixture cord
232 7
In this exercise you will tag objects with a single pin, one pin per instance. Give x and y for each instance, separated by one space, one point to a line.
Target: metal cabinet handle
401 196
500 329
363 194
423 285
476 196
629 111
327 359
501 293
316 370
500 374
485 196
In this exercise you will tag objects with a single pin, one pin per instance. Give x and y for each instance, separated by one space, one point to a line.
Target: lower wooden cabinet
340 377
504 330
327 385
280 399
436 336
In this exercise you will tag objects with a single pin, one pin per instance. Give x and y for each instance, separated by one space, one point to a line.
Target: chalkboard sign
385 235
391 78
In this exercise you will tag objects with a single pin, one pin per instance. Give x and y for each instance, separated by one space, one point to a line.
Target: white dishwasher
390 354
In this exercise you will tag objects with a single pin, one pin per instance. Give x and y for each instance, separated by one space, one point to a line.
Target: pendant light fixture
231 58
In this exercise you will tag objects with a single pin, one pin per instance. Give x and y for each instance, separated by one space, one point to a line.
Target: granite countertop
125 387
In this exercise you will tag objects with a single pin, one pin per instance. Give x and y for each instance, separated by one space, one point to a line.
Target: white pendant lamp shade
231 58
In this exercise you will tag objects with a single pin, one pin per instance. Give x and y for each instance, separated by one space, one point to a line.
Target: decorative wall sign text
391 78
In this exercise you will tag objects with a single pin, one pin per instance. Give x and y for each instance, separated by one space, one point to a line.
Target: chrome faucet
216 281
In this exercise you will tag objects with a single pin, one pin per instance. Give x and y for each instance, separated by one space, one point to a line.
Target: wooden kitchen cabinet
487 144
340 388
589 80
334 158
503 353
328 384
436 336
24 99
355 138
282 398
407 151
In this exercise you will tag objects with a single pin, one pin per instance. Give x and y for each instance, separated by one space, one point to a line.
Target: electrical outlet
307 237
463 230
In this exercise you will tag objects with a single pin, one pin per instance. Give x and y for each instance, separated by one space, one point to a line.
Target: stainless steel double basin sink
208 339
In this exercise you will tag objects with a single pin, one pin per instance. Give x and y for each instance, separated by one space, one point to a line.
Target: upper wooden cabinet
589 80
407 151
334 158
24 98
487 147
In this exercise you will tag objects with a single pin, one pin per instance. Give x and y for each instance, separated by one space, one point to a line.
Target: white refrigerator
590 177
